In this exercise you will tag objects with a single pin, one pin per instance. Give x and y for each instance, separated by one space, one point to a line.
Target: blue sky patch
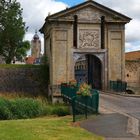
71 2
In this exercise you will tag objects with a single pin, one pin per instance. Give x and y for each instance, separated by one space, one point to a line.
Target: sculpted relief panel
89 38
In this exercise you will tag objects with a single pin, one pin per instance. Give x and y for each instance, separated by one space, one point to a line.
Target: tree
21 51
12 30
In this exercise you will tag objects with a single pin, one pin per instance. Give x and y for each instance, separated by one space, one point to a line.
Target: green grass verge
48 128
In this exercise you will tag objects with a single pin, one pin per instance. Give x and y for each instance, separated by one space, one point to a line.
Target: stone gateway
87 43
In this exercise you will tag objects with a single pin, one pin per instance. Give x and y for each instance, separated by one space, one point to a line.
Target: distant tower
36 46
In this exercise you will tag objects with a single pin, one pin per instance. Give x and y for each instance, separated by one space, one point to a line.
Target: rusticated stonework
89 38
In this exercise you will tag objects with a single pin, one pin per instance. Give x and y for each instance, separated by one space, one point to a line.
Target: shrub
61 111
23 108
57 109
26 108
19 108
5 112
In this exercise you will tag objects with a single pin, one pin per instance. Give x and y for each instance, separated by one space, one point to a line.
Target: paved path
109 126
128 105
111 123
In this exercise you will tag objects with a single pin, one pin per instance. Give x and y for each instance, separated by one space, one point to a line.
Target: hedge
23 108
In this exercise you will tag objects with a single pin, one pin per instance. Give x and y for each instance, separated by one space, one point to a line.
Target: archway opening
88 69
94 72
81 70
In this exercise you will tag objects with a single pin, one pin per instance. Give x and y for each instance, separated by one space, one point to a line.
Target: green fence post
85 98
73 108
97 101
111 85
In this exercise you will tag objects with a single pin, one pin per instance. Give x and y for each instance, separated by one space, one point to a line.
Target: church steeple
36 35
36 46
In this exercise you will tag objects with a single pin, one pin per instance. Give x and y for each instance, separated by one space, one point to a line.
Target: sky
35 12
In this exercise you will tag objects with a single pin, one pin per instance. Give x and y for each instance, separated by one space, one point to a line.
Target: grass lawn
47 128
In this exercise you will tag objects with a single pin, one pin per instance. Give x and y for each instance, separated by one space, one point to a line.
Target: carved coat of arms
89 38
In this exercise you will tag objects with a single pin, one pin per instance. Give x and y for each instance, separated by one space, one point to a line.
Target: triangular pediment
90 11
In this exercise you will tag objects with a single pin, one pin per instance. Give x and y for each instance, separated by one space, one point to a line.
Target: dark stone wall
22 80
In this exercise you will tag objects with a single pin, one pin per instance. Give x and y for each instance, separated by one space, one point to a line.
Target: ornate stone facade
59 39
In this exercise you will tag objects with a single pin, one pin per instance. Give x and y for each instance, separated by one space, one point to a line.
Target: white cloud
133 31
35 12
130 47
130 8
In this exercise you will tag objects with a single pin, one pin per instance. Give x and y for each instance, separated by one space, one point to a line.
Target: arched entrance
81 70
94 71
88 68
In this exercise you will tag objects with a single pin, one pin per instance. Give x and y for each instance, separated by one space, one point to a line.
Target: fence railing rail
79 103
118 86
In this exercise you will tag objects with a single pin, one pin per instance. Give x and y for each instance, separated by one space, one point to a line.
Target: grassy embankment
47 128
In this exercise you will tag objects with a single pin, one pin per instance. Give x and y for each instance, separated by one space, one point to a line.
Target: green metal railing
118 86
80 104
